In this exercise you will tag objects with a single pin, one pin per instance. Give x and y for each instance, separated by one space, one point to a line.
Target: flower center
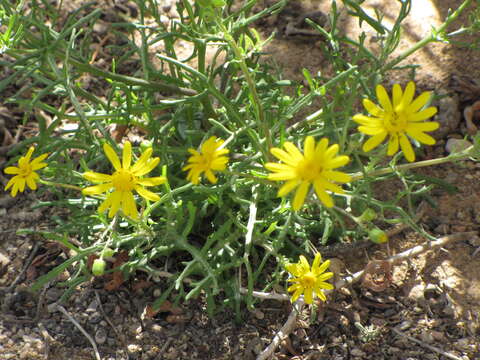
308 170
205 161
123 180
25 170
395 121
308 280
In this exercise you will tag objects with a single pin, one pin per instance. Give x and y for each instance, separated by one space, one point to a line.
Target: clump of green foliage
218 140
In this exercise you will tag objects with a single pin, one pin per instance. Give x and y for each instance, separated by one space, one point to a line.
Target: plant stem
430 38
465 154
259 112
66 186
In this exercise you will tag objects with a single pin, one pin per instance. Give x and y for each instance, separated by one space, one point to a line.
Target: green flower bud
145 144
107 252
378 236
367 216
98 267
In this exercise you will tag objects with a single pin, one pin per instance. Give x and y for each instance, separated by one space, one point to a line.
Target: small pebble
101 336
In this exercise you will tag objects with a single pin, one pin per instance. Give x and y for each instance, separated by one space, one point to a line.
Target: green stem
259 112
66 186
455 157
430 38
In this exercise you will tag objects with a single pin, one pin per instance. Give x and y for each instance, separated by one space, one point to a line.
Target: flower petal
423 126
149 166
300 195
153 181
12 170
112 156
97 189
293 151
142 160
337 176
116 202
127 155
308 296
397 95
383 98
129 207
31 182
423 115
372 108
282 155
210 176
374 141
97 177
418 103
309 148
146 193
392 144
407 97
287 187
421 137
407 148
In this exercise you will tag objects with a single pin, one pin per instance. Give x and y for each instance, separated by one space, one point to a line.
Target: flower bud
378 236
367 216
98 267
107 252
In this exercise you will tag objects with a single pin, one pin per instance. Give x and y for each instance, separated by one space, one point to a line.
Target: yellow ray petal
423 115
383 98
421 137
142 160
127 155
392 144
300 195
287 187
112 156
406 148
146 193
284 156
397 94
322 194
293 151
418 103
407 97
372 108
309 148
149 166
374 141
337 176
153 181
12 170
97 177
97 189
423 126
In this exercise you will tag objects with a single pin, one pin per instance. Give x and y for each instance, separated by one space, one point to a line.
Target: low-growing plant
222 185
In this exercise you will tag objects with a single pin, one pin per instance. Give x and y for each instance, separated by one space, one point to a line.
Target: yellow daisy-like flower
396 119
124 180
309 281
211 158
25 172
314 168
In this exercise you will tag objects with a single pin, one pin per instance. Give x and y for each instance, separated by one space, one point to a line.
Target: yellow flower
25 172
309 281
397 118
315 167
211 158
124 180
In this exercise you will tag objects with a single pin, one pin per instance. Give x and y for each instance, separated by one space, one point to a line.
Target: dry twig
429 347
290 323
286 329
79 327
